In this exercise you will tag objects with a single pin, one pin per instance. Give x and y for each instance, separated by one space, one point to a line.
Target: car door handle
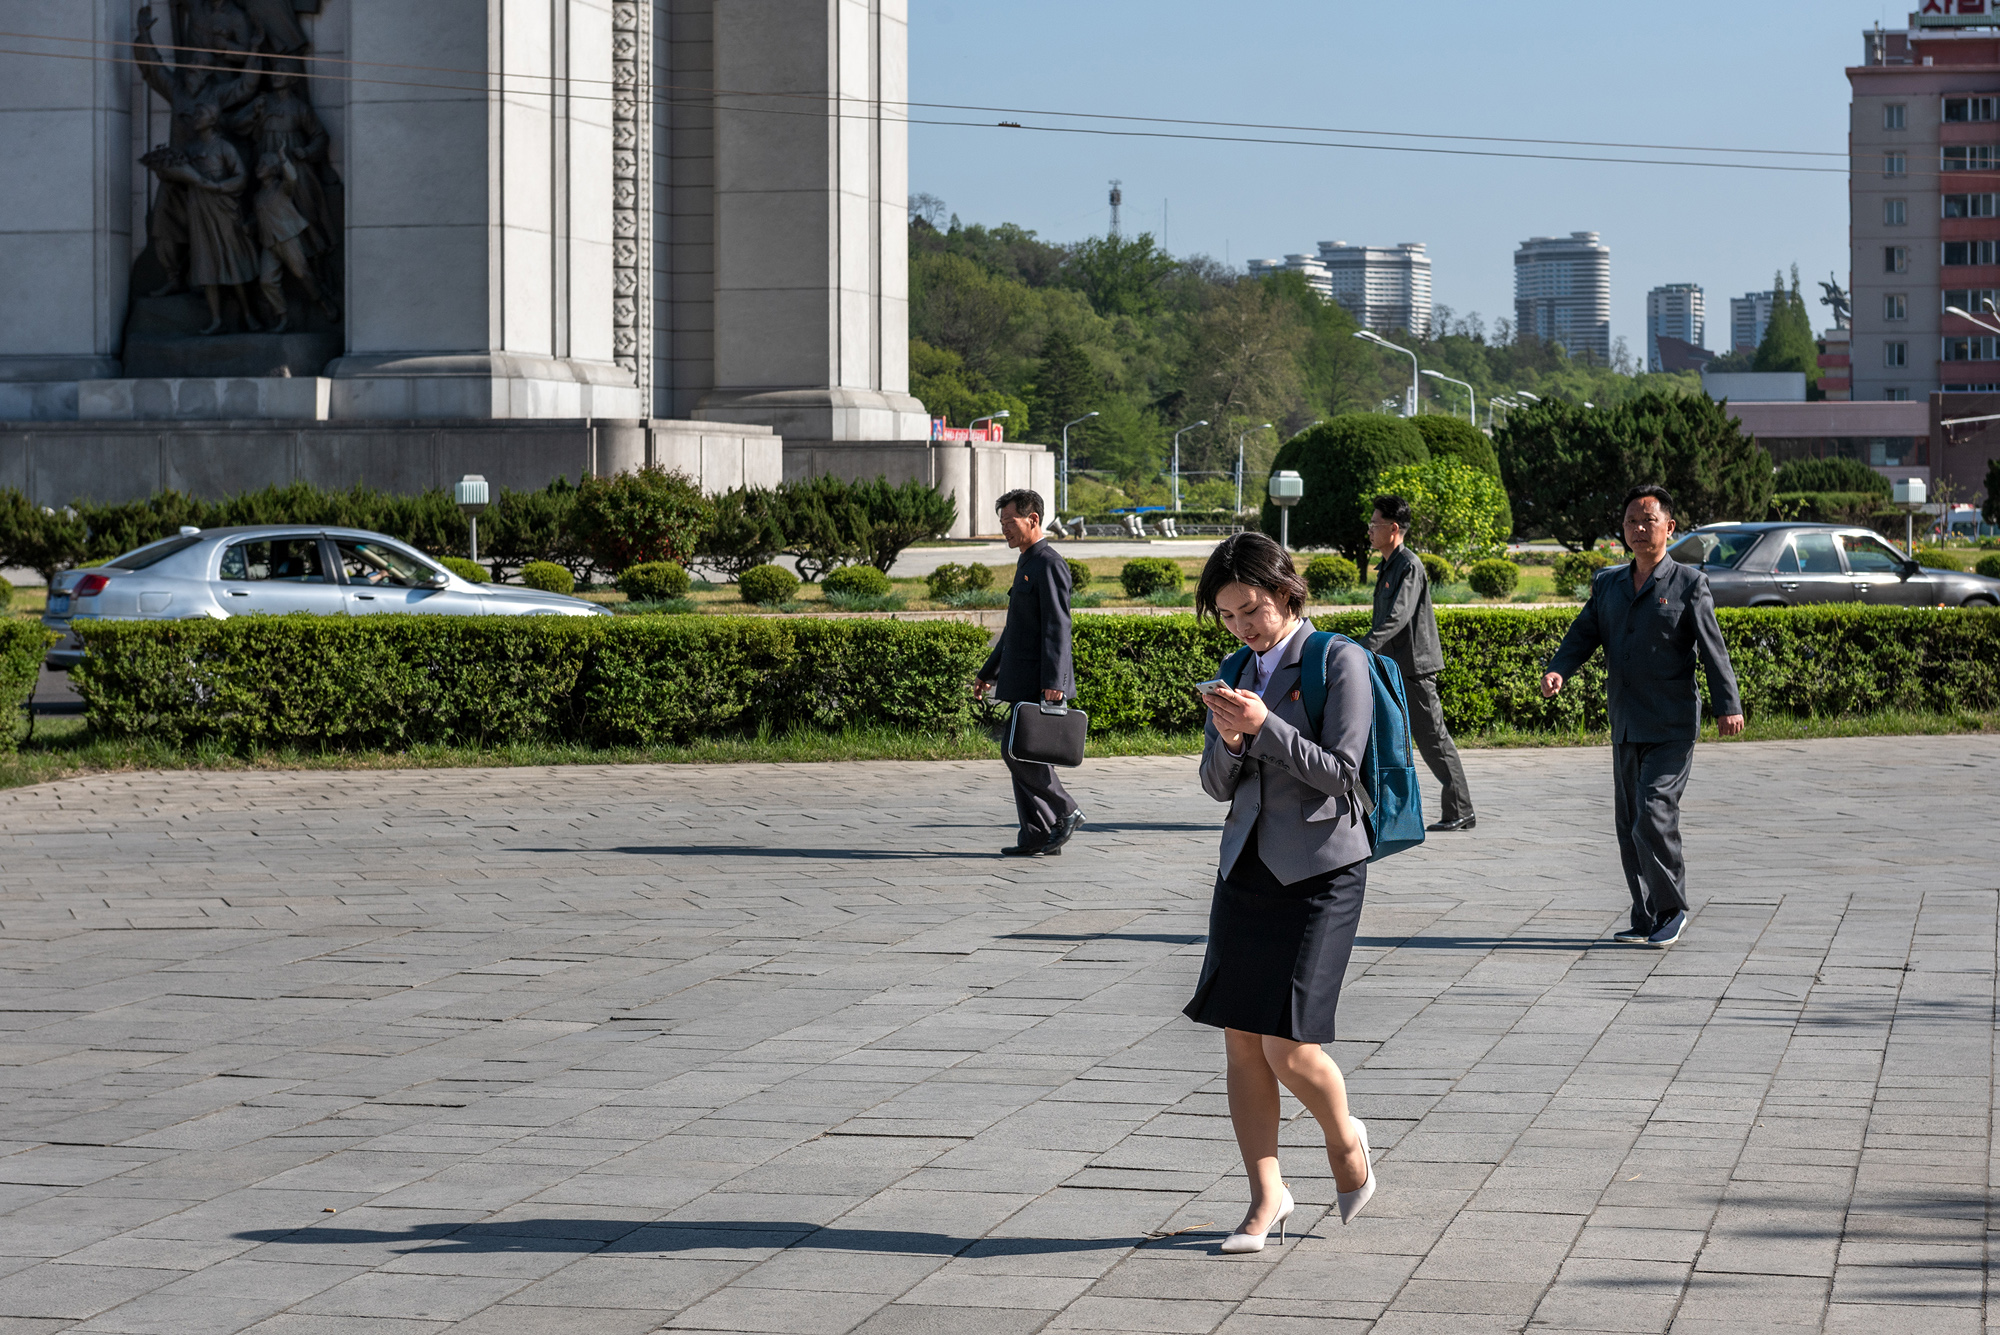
1788 587
238 593
365 597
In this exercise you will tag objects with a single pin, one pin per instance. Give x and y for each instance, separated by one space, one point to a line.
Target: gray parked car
225 572
1787 565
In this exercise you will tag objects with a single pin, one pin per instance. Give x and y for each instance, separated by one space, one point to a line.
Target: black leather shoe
1071 823
1453 826
1027 850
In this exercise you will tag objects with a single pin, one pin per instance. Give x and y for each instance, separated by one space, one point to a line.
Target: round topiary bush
1337 460
1456 438
1493 578
857 582
1079 574
767 584
548 577
470 571
1437 568
1328 576
1573 571
1150 574
1989 566
654 582
951 579
1941 558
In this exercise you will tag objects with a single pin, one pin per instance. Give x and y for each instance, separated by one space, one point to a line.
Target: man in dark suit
1406 633
1032 662
1652 618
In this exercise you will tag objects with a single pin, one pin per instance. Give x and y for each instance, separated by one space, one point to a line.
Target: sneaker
1668 932
1635 935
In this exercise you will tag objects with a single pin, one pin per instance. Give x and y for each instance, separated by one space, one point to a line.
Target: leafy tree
1788 339
1563 470
633 518
1125 442
963 308
899 516
1120 275
1694 448
1338 461
1066 387
1457 512
1449 438
940 379
1241 368
826 525
747 531
1835 474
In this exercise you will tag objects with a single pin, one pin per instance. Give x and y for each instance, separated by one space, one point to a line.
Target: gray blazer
1295 790
1406 627
1651 637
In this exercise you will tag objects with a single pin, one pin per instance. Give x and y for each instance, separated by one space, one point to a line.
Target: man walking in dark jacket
1406 633
1652 618
1032 662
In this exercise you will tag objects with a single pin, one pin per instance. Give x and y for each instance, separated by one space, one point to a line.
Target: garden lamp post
1381 342
1239 462
1177 461
1063 504
1286 488
471 494
1439 375
1912 494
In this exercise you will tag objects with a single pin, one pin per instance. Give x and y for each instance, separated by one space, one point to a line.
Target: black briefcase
1047 734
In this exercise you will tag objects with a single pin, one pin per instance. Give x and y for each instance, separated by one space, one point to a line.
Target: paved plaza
786 1048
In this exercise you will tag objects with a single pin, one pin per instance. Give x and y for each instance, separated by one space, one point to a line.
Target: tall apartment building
1922 193
1562 292
1383 287
1307 266
1749 315
1676 310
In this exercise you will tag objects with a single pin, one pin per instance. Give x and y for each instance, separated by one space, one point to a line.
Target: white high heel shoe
1352 1201
1254 1242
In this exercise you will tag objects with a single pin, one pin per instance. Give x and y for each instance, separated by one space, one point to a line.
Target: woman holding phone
1293 870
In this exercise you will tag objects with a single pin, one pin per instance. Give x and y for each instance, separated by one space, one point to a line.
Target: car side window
1869 555
1816 554
292 560
1788 561
363 562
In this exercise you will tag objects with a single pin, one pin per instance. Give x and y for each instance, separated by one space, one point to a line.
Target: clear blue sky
1699 73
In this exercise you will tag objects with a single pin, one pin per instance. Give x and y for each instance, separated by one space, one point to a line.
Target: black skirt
1276 952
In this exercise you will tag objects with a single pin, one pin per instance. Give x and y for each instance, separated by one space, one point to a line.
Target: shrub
745 532
768 584
1451 438
899 516
1830 475
634 518
1493 578
857 582
654 582
1825 507
470 571
1457 512
22 644
548 577
1438 570
1079 575
524 526
1989 566
1942 558
6 594
1573 571
826 525
1338 460
950 579
1330 575
1150 574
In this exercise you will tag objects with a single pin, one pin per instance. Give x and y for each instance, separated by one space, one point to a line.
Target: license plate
58 604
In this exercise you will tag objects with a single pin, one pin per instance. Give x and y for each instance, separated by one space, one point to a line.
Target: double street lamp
1439 375
1380 342
1239 462
1177 461
1063 504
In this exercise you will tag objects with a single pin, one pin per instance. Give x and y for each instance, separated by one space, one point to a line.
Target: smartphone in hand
1210 686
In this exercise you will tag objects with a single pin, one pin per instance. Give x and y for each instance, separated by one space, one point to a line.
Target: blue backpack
1390 801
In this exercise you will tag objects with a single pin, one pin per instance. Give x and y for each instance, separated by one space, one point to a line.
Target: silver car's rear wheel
1979 601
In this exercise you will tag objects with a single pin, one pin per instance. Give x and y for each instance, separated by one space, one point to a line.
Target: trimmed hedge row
22 644
367 683
391 682
1135 672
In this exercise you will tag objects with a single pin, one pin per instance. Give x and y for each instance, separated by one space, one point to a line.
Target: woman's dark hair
1253 559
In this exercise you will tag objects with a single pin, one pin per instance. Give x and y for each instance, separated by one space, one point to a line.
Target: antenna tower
1117 198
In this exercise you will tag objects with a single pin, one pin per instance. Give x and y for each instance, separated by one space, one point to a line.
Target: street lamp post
1063 504
471 494
1239 462
1439 375
1286 488
1381 342
1177 461
990 417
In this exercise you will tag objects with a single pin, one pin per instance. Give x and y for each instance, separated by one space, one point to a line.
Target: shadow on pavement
624 1237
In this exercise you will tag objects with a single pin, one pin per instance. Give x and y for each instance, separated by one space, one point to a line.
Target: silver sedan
226 572
1788 564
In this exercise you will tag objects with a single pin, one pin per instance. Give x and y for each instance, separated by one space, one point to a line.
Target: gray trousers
1650 777
1434 744
1039 798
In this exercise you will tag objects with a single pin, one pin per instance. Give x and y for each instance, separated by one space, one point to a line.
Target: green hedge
365 683
22 644
1135 672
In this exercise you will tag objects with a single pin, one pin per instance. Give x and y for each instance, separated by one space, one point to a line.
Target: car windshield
1715 547
365 562
153 552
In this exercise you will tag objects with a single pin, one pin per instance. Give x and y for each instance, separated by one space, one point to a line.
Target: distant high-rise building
1382 287
1307 266
1748 316
1562 292
1675 310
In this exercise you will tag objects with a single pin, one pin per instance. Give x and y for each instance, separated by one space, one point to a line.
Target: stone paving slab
788 1049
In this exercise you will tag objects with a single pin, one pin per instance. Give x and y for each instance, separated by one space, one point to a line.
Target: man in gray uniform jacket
1651 618
1406 633
1032 662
